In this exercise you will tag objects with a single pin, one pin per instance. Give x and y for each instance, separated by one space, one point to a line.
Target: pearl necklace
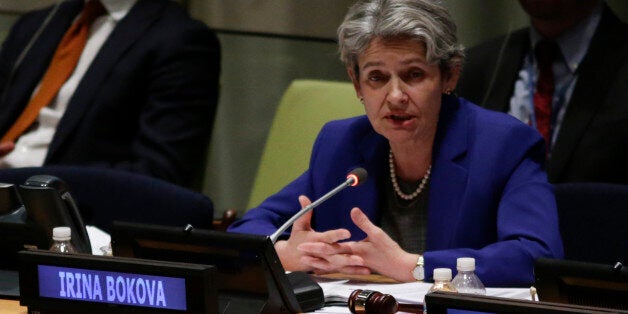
393 178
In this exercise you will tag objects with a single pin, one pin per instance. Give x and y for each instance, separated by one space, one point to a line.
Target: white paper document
98 239
412 292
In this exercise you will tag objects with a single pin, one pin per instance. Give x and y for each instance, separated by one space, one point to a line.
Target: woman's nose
397 94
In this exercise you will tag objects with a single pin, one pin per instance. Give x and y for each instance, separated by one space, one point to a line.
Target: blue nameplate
112 287
79 283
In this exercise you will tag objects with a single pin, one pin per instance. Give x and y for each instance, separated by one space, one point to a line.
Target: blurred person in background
140 94
567 75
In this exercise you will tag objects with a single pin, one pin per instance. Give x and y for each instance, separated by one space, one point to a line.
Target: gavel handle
410 308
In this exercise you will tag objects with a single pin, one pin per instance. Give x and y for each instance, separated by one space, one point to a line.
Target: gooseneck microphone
356 177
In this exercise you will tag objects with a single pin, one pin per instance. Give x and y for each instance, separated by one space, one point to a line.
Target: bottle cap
442 274
465 264
61 233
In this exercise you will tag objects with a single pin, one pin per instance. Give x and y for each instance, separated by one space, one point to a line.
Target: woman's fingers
324 248
303 222
304 201
333 263
363 222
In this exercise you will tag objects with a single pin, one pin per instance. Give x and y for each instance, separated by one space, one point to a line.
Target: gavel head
368 301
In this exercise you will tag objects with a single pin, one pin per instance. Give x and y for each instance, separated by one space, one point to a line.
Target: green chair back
304 108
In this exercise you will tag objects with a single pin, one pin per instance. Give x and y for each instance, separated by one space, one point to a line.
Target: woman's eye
416 74
375 78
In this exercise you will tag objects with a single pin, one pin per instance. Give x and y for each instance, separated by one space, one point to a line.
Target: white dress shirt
573 46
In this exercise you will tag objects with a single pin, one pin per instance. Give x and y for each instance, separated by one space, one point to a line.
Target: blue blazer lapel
449 172
374 148
123 37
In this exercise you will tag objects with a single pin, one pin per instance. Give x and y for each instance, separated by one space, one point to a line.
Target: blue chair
105 195
593 220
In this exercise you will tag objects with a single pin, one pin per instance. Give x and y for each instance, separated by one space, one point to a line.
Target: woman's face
401 91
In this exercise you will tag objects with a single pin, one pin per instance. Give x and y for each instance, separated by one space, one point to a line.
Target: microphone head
357 176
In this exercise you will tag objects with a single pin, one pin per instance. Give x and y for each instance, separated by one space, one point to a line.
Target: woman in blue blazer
447 179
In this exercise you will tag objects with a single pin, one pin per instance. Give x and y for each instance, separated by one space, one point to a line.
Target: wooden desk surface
12 307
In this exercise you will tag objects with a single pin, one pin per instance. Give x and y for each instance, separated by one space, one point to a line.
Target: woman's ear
450 79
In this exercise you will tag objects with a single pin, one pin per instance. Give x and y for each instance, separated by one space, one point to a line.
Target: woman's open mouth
400 117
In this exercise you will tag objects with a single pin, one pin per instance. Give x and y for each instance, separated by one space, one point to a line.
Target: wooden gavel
368 302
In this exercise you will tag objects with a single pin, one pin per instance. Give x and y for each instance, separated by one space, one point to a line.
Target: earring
448 91
362 100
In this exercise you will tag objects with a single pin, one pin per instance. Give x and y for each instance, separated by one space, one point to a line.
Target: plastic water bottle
442 281
61 237
466 281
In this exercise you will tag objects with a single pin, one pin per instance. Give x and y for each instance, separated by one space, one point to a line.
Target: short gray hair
426 21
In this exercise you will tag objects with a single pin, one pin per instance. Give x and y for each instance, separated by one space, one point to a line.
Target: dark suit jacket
593 141
488 197
147 102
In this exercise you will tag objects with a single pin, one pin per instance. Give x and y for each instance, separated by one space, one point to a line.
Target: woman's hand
308 250
6 148
380 253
